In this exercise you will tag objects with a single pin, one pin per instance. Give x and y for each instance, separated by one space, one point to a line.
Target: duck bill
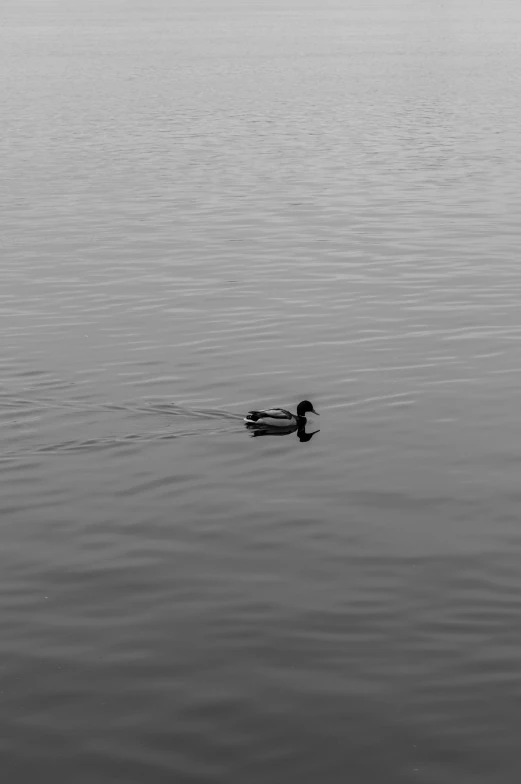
315 412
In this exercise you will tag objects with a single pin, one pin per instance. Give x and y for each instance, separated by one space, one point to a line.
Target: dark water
213 206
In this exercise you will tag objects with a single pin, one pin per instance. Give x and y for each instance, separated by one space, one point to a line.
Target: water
210 206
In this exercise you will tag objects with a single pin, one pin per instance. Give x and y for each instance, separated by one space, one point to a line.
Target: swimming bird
279 417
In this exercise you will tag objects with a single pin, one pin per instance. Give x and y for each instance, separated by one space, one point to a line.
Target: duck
280 417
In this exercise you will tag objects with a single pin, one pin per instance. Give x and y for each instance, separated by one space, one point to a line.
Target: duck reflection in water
263 430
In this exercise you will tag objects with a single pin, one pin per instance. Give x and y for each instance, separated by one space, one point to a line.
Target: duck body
272 417
280 417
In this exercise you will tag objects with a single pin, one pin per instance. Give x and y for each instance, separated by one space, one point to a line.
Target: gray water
210 206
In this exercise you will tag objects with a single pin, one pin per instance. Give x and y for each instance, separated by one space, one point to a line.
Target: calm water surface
209 206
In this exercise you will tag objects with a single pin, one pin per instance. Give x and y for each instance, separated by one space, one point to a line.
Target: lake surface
211 206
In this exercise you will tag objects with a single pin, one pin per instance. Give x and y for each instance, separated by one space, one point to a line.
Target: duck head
304 407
